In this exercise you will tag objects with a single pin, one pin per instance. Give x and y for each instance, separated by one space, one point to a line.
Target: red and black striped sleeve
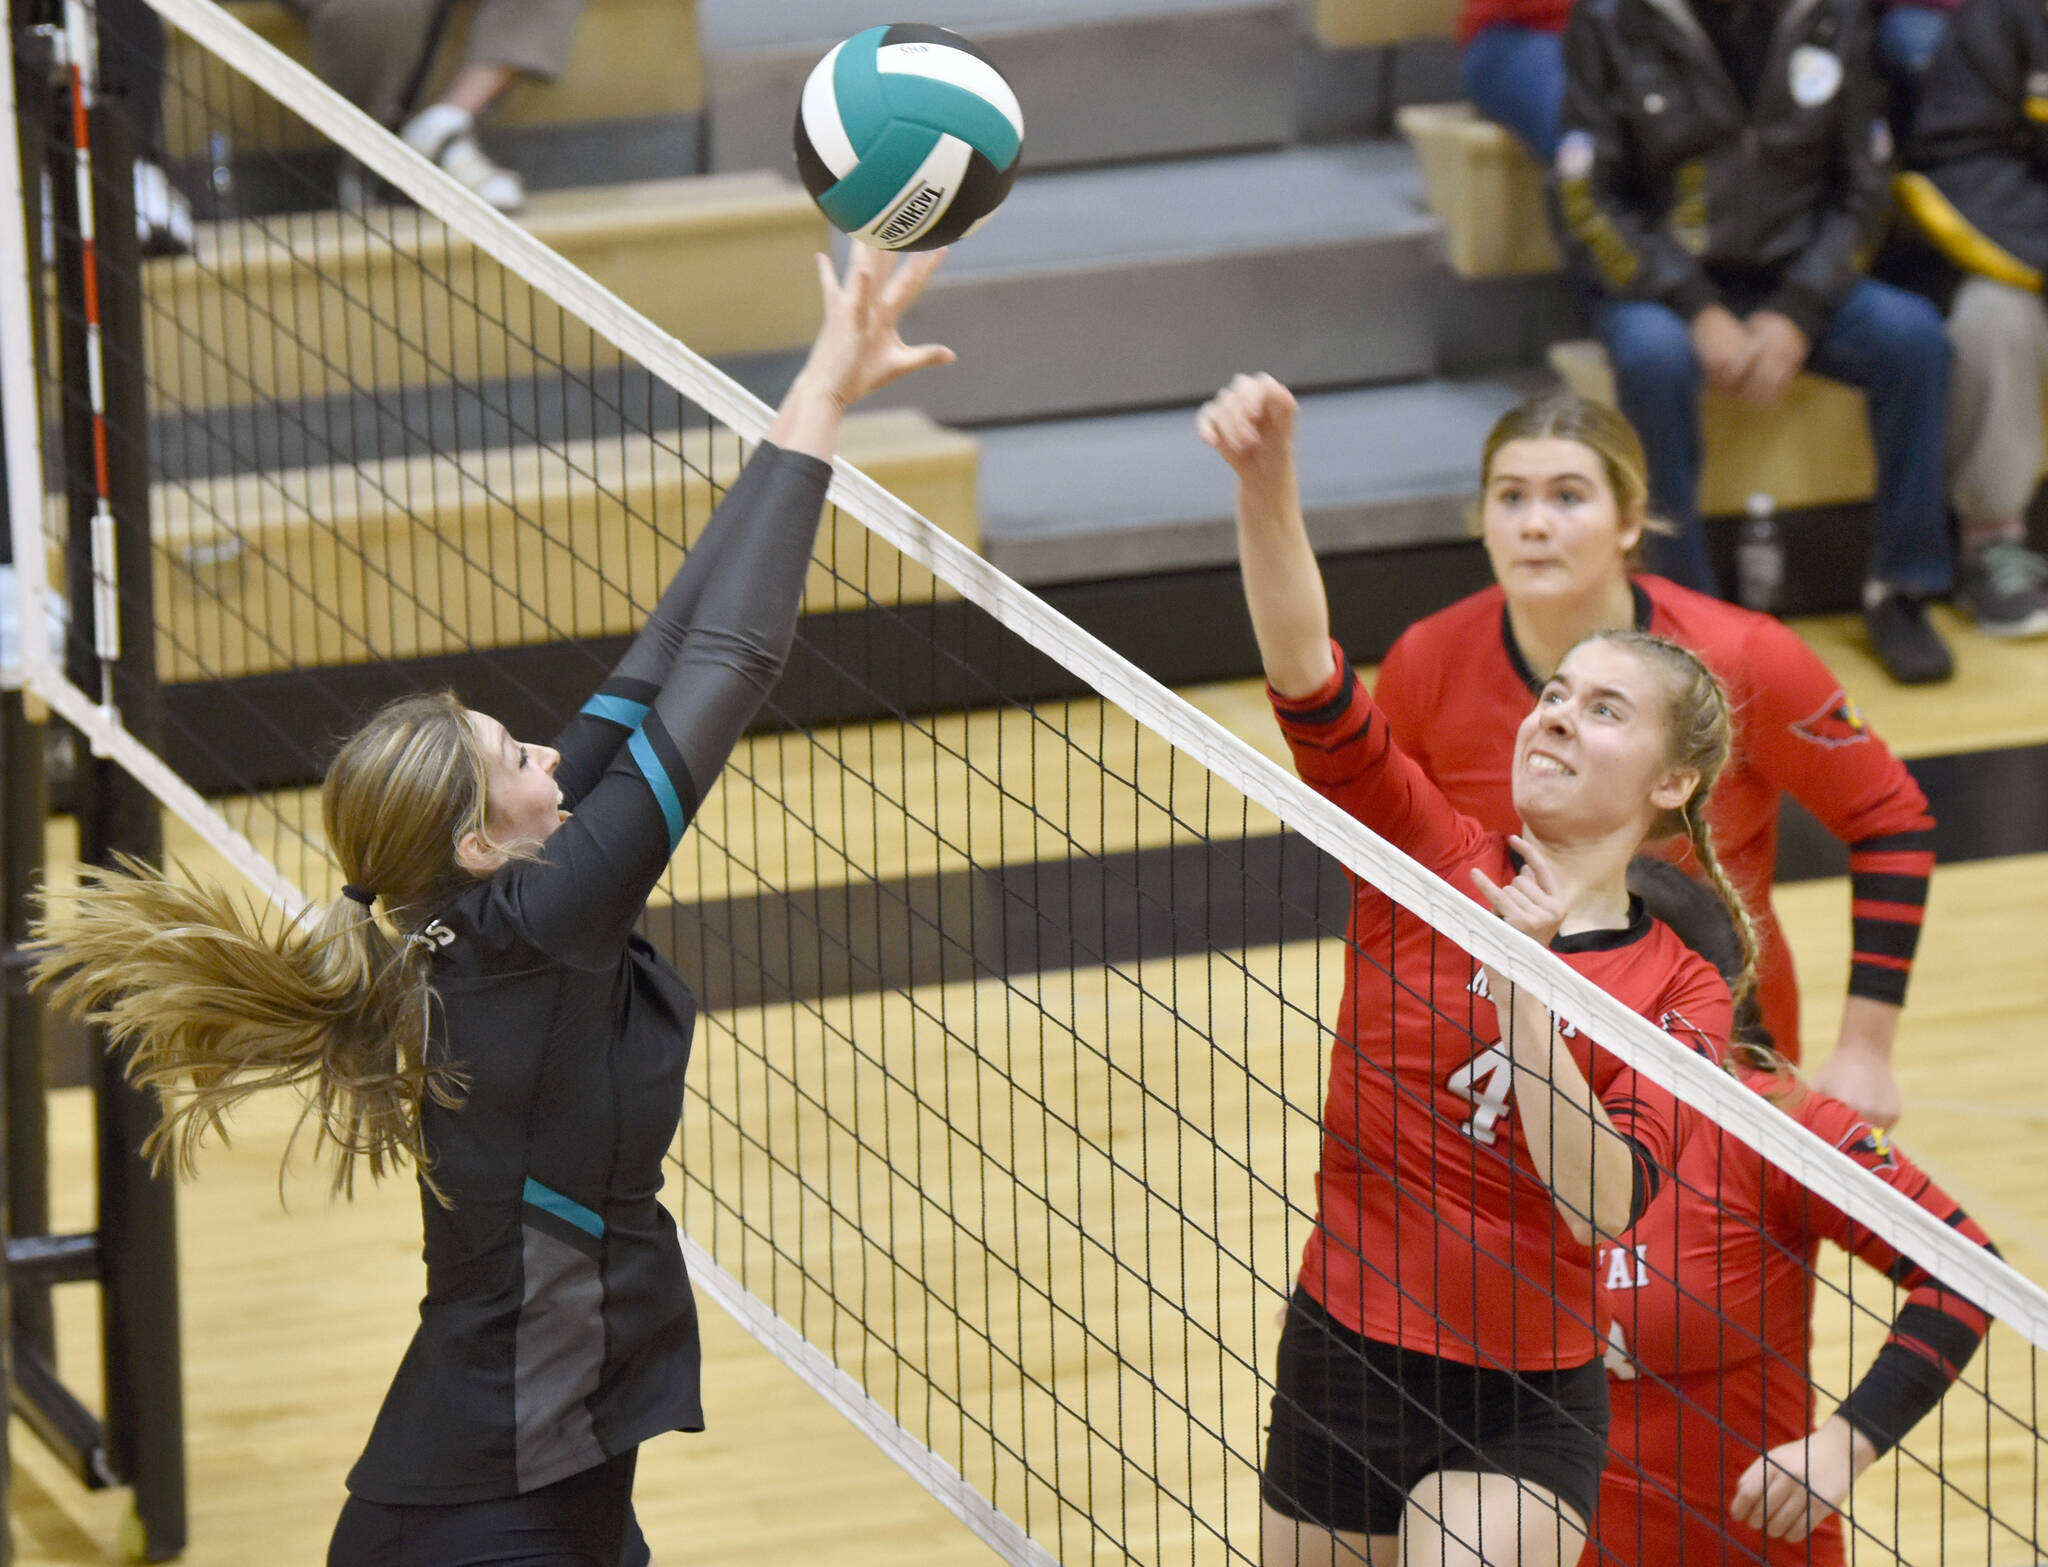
1938 1328
1888 879
1343 751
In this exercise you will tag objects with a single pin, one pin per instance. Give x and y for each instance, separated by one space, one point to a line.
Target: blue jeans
1516 77
1908 37
1886 342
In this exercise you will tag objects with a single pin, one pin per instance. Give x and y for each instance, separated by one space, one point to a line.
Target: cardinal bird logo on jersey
1836 722
1869 1146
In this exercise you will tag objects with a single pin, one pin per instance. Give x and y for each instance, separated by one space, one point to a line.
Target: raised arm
681 700
1250 423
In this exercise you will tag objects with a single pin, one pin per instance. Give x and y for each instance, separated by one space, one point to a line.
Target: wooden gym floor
296 1311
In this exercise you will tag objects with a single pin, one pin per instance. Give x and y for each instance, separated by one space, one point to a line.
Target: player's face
1553 527
1591 758
524 802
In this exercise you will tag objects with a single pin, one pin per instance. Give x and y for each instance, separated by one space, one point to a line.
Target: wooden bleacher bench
722 261
1359 24
632 59
1485 187
264 572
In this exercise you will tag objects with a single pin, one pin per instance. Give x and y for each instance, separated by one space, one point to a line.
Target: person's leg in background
1657 386
1515 76
509 40
1893 347
367 50
1908 38
1999 335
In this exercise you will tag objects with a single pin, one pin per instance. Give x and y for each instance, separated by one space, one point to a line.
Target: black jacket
1980 143
1670 188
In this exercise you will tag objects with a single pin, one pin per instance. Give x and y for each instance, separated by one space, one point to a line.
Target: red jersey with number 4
1455 688
1434 1230
1711 1297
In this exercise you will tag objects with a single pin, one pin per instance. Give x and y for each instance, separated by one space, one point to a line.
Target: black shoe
1910 649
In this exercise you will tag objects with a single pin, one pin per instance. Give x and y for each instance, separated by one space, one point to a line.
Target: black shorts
1357 1424
583 1521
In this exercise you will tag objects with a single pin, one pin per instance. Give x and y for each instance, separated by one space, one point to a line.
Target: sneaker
2005 585
1910 649
163 217
447 136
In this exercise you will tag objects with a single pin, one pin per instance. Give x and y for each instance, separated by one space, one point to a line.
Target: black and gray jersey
558 1328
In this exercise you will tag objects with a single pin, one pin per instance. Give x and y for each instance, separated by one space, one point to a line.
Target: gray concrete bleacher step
1381 468
1103 289
1101 80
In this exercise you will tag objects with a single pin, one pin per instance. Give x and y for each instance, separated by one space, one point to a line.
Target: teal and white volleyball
908 137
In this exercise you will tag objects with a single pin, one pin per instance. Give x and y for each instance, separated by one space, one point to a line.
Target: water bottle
220 156
1760 557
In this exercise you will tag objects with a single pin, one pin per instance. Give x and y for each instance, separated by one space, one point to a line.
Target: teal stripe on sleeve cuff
665 796
549 1201
616 710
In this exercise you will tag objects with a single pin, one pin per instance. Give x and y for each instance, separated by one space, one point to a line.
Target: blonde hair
214 1003
1700 736
1563 415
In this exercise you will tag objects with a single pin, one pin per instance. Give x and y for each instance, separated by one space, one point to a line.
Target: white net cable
906 1162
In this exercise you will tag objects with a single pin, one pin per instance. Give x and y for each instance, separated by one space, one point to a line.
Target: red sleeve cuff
1327 703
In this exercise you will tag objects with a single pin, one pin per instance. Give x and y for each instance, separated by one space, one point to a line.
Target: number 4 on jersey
1486 1080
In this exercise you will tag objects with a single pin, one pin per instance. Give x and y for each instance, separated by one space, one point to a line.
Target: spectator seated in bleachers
1511 54
1980 191
373 51
1722 182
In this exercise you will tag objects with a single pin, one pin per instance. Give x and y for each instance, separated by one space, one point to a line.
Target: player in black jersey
518 1041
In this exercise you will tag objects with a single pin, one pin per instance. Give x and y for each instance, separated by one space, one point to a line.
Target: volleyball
908 137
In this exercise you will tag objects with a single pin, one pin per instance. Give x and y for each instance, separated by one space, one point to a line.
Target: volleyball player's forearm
1578 1153
1283 585
745 623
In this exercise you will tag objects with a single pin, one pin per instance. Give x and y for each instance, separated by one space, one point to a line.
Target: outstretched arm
679 723
838 373
1250 423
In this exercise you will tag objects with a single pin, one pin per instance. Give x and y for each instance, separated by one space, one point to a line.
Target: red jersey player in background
1563 509
1711 1295
1439 1395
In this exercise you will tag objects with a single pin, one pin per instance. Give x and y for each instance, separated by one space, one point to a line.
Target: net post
117 815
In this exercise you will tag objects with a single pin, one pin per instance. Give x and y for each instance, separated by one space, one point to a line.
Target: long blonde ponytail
212 1000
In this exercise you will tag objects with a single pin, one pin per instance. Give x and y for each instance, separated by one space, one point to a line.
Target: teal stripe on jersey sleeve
665 796
616 710
551 1201
885 168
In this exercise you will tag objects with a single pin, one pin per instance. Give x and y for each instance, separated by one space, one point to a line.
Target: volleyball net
1018 970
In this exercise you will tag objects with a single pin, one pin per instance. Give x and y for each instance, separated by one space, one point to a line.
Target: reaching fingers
909 282
1487 890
